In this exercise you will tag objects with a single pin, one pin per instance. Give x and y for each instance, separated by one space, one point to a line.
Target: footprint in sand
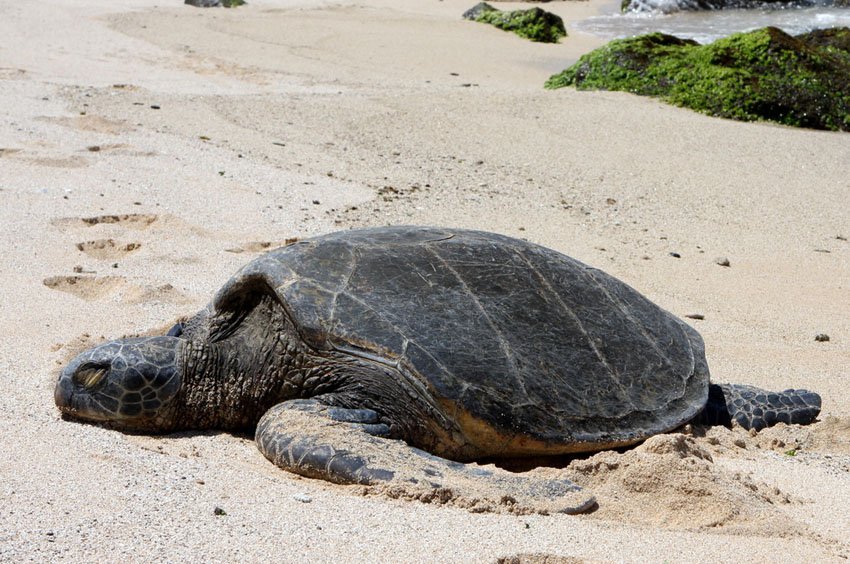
133 221
107 249
51 161
92 288
128 220
90 123
58 162
86 287
9 73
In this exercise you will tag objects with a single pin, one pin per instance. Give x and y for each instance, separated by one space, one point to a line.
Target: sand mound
830 435
671 481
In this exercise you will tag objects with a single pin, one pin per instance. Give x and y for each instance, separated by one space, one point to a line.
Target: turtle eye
90 377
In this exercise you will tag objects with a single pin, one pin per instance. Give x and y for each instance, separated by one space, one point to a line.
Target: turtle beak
63 394
65 391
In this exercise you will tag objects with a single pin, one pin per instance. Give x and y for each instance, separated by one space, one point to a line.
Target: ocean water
705 26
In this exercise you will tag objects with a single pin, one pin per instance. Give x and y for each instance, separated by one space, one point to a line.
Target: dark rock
722 261
534 24
475 12
821 337
764 74
697 316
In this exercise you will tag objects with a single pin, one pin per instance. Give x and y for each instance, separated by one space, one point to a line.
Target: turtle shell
535 350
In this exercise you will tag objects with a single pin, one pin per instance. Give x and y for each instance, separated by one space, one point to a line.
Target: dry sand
149 149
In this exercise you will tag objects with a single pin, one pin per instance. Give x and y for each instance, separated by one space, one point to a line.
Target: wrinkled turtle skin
462 344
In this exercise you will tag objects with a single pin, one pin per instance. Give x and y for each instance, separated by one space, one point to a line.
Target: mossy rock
764 74
836 37
534 24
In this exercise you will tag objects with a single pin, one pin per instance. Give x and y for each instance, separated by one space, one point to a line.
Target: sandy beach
150 149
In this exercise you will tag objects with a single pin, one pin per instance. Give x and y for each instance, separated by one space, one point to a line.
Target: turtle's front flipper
754 408
317 441
345 446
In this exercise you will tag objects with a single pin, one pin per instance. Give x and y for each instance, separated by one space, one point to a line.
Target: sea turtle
396 355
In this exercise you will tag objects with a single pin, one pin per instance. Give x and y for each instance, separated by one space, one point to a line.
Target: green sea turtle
396 355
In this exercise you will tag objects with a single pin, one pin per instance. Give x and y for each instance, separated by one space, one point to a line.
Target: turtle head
129 384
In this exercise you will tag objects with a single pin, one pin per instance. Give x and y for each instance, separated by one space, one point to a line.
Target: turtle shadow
143 433
562 461
519 465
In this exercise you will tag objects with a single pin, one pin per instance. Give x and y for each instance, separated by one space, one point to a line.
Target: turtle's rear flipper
754 408
345 446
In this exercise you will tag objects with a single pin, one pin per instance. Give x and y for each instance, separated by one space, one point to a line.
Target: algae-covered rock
534 24
763 74
837 37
